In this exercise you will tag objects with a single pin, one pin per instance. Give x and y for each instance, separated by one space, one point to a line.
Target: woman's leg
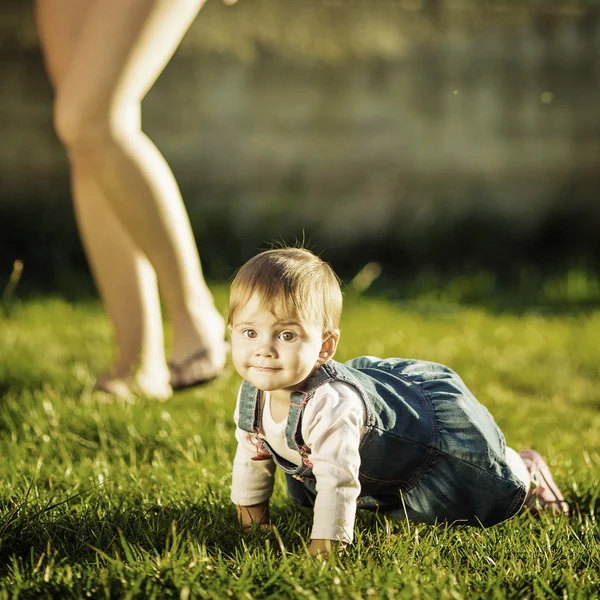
122 48
125 278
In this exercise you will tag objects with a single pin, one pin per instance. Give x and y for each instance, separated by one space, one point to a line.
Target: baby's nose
265 349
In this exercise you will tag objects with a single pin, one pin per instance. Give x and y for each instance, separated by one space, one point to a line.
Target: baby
404 437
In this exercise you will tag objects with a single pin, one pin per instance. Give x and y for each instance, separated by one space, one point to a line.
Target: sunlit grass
107 499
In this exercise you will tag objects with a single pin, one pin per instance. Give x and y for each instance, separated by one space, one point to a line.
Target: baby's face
273 352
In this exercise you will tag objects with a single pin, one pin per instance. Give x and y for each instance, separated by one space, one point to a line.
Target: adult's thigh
122 49
59 24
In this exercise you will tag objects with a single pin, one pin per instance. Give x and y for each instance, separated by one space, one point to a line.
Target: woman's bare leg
125 278
122 48
130 292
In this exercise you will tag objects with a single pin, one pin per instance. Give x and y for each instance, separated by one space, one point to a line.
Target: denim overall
431 452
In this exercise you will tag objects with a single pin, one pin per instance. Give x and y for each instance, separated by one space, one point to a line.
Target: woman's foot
199 350
198 368
130 388
543 495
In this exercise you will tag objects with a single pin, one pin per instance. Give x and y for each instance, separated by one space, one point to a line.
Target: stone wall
412 136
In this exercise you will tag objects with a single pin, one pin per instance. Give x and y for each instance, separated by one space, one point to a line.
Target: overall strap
249 415
298 400
249 419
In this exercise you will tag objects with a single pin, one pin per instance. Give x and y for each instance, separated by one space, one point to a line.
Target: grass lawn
106 499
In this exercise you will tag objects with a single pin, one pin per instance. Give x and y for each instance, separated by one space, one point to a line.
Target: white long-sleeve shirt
332 427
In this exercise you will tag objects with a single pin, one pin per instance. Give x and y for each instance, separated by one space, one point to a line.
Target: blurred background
436 138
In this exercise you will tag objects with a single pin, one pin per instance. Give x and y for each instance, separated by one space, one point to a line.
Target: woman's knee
93 129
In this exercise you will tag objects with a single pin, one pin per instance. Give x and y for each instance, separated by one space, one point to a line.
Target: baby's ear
329 346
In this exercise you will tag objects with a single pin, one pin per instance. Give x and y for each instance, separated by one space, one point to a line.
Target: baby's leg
518 467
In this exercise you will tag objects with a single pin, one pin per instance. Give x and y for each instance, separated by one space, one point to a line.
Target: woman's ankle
201 334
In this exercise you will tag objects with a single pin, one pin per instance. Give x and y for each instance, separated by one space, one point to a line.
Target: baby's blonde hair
292 281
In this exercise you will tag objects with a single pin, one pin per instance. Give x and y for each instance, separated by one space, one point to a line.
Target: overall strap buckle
305 397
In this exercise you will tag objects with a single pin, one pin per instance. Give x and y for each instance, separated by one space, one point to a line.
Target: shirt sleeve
252 480
333 425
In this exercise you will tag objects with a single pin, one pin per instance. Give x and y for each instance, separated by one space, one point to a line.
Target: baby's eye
249 333
287 336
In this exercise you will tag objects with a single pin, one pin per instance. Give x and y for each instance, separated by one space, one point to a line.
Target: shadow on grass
118 528
80 535
10 384
85 526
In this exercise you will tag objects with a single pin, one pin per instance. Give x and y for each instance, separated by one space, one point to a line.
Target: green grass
106 499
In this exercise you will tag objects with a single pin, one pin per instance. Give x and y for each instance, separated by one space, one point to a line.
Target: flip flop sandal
178 371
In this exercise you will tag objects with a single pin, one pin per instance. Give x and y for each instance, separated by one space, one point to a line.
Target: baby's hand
248 526
321 548
255 515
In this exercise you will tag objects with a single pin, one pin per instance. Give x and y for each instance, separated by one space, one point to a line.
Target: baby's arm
252 481
333 425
